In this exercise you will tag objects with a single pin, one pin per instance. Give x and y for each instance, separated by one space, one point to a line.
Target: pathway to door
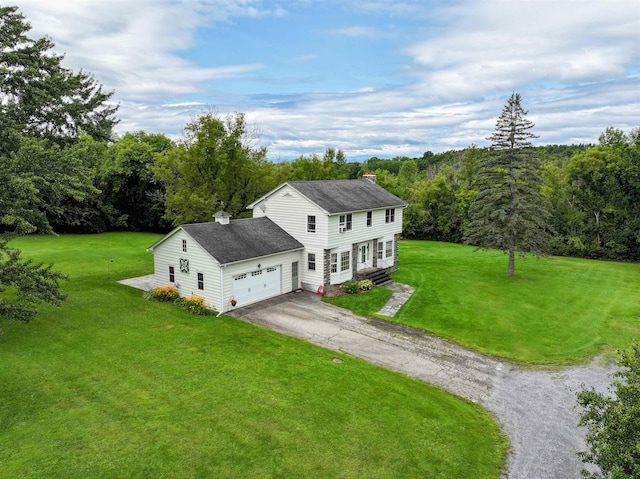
535 407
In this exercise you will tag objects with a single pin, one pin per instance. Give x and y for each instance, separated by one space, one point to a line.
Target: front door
294 275
364 256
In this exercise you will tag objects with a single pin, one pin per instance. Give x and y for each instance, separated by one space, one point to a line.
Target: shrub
163 294
194 305
350 287
613 423
365 285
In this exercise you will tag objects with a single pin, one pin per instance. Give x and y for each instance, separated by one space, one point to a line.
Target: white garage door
256 285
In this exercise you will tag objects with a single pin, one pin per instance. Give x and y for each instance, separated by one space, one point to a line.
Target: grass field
555 310
110 385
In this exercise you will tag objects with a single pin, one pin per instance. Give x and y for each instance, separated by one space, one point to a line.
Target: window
272 270
369 218
240 276
389 251
172 274
380 249
311 261
184 246
256 273
346 221
311 224
201 281
390 215
334 262
345 261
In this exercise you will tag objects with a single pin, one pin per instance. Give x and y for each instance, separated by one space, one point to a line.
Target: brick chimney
369 175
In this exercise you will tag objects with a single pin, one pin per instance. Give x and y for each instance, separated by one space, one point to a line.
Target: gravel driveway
536 409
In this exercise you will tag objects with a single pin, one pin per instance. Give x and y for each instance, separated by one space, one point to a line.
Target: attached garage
228 263
257 285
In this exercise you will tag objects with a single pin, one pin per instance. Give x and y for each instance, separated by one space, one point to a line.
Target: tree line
593 194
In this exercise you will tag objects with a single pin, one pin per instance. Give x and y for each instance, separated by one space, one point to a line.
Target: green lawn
555 310
365 303
110 385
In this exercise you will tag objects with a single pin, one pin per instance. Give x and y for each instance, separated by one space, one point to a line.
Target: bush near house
350 287
169 294
162 294
194 305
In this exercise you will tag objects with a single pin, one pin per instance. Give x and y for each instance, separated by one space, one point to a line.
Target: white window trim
345 255
390 215
346 222
310 224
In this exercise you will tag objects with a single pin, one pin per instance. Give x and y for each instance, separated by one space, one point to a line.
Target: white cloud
133 47
361 31
573 61
500 45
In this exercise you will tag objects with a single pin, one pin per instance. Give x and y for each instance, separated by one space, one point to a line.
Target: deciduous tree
216 164
43 109
128 186
39 98
613 422
510 213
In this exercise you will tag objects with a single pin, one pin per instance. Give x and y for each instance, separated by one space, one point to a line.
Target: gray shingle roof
242 239
343 196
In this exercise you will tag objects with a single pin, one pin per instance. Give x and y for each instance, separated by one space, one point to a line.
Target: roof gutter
259 257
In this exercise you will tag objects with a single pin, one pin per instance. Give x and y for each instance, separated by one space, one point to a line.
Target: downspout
221 292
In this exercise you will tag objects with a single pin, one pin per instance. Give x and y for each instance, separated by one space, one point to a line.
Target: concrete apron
535 408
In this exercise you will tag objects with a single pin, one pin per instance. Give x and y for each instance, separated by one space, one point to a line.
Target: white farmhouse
303 234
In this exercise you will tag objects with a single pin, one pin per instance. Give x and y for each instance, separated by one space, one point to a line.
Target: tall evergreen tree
510 212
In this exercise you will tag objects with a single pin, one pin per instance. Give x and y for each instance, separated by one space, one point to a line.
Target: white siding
289 210
360 232
169 253
312 280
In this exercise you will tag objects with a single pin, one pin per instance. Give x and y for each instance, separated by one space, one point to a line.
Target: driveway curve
536 409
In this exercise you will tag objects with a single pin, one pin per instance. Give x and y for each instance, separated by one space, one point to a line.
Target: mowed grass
365 303
111 385
555 310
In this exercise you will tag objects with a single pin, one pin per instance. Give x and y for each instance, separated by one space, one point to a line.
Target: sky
371 77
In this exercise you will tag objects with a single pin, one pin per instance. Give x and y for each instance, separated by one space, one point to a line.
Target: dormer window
311 224
346 222
390 215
